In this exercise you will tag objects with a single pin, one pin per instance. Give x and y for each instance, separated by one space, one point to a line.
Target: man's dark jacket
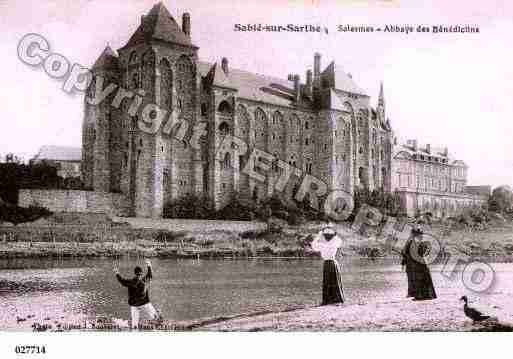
138 293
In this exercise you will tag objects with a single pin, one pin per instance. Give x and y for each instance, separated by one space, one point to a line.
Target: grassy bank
79 235
67 235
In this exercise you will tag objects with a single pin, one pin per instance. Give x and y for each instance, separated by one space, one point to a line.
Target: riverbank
80 235
401 315
443 314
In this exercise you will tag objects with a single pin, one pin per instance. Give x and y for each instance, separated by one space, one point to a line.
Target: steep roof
108 59
252 86
341 80
59 153
407 146
159 25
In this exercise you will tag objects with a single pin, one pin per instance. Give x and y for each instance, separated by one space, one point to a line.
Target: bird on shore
473 313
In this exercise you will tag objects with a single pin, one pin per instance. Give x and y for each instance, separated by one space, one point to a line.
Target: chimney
349 75
428 148
142 24
297 89
186 24
414 145
224 65
317 70
446 151
308 87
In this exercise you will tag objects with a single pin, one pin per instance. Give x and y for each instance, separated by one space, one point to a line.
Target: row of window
429 183
407 166
429 158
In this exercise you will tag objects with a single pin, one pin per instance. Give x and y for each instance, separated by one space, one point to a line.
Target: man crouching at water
138 294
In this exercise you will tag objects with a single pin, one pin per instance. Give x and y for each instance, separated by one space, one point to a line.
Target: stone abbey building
324 126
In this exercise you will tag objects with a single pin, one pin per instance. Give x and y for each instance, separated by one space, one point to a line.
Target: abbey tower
324 126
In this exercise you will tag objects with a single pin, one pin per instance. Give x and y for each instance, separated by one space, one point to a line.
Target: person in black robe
420 283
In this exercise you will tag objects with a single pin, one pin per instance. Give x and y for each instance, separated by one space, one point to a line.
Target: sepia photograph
273 166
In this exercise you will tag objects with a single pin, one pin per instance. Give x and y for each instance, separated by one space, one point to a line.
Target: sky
451 90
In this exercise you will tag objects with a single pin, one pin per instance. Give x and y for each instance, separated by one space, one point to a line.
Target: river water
71 290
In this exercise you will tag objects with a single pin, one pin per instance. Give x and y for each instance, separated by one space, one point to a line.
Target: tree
16 215
501 199
387 203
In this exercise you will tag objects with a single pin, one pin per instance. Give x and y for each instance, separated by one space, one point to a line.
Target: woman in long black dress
420 283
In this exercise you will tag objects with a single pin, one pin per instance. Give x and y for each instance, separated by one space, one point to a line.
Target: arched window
148 70
227 161
277 118
243 120
224 128
307 125
308 166
204 109
133 57
166 84
147 58
224 107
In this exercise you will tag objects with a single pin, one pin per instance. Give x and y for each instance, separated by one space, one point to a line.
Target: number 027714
30 349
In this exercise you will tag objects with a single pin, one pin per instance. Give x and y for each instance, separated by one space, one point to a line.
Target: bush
189 207
236 210
275 225
388 204
17 215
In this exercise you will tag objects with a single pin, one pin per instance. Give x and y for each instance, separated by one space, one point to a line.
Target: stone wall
75 201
